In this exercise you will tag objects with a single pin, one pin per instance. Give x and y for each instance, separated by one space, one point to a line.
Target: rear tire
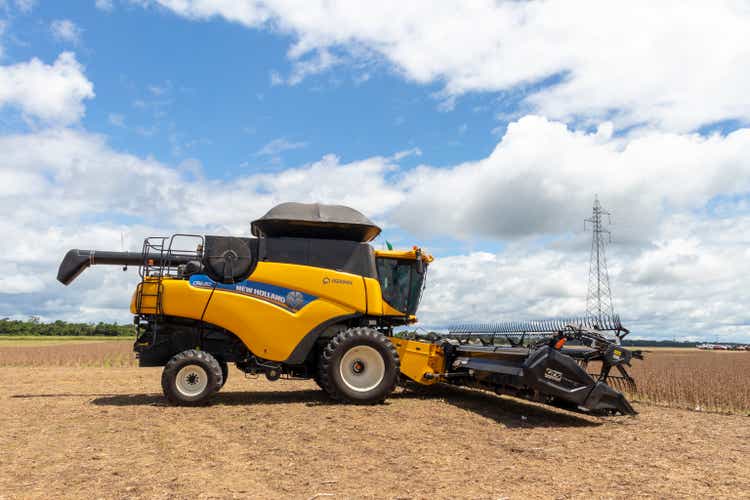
191 377
316 379
359 365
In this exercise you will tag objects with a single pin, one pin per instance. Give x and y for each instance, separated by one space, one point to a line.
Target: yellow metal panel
419 358
344 288
374 297
149 294
389 310
268 330
404 254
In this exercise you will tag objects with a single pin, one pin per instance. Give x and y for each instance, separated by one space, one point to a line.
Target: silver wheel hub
191 380
362 368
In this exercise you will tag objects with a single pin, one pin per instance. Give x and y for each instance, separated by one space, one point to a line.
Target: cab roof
315 220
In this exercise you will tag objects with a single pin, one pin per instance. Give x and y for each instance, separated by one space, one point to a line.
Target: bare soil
107 432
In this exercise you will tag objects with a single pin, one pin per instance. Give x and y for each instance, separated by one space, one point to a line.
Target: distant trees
34 326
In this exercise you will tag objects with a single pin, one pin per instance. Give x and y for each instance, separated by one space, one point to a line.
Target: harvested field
28 340
76 432
103 353
683 378
80 429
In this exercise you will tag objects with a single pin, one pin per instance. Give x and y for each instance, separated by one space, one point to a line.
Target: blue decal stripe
293 300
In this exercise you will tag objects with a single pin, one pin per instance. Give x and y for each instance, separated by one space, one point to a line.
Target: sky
481 131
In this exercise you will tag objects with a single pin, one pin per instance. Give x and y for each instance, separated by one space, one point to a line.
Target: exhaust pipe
76 261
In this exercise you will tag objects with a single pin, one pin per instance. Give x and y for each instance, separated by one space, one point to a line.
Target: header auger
309 297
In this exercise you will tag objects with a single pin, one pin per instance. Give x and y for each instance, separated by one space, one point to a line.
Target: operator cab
402 278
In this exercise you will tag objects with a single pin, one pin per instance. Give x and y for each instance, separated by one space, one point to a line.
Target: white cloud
406 153
25 6
679 200
116 119
542 177
689 284
277 146
58 177
320 61
362 184
276 78
66 30
675 65
161 89
13 282
68 189
105 5
676 268
50 93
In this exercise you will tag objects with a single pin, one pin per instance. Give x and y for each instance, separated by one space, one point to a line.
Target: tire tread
327 358
179 360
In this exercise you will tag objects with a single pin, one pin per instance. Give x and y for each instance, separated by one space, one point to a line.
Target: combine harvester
309 297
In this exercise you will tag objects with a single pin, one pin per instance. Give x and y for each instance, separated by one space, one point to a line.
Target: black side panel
555 374
321 230
340 255
159 342
489 365
603 398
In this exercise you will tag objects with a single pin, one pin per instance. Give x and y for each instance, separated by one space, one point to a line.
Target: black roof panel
314 220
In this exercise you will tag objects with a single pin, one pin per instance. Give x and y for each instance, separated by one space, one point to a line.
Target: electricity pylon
599 297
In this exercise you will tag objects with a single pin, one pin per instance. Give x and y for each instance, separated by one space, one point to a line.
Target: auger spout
76 261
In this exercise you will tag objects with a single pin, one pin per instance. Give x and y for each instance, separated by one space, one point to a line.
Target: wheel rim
191 380
362 368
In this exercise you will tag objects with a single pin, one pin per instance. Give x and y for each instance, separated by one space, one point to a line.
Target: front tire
359 365
191 377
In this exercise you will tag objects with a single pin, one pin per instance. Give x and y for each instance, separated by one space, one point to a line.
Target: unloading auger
309 297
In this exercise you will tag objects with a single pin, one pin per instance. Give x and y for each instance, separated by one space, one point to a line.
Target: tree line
35 327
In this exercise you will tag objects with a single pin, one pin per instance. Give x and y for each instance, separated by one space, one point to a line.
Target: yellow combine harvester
309 297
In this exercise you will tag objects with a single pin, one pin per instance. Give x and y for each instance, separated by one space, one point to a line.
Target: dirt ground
107 433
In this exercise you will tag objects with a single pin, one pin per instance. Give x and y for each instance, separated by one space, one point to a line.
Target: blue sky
481 132
177 99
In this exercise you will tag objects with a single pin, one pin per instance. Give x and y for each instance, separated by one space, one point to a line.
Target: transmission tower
599 297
